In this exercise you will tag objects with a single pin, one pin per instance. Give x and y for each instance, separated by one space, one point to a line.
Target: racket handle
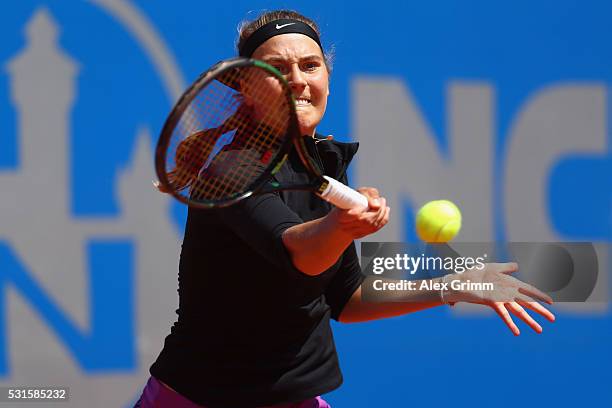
343 196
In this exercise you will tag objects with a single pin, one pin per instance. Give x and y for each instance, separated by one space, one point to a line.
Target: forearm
391 303
316 245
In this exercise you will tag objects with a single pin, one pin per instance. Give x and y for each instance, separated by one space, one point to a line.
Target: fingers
372 195
373 214
374 203
384 218
368 223
381 212
514 296
517 309
356 211
364 222
524 316
375 210
360 222
524 288
369 191
381 217
500 309
536 307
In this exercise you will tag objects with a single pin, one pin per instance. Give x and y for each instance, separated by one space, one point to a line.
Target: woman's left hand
509 295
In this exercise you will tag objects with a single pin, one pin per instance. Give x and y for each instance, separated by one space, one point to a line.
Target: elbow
345 319
301 257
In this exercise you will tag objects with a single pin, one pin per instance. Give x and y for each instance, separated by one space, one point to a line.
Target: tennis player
259 281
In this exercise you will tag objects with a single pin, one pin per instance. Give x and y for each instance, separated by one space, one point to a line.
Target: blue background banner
502 107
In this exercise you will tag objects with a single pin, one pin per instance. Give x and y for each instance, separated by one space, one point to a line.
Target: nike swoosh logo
278 27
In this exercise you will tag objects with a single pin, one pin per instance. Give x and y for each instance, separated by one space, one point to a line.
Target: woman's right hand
360 222
316 245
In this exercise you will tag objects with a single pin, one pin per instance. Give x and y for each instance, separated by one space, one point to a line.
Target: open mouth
302 101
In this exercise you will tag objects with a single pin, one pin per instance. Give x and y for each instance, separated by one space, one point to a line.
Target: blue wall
432 358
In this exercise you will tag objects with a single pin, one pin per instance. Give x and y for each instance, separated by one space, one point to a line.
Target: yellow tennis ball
438 221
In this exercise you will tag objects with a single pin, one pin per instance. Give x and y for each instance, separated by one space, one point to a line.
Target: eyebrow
281 59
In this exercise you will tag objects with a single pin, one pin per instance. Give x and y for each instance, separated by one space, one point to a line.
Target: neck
311 133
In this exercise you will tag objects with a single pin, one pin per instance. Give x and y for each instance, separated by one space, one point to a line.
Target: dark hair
247 28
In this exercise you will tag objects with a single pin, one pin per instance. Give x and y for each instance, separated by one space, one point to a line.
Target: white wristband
443 289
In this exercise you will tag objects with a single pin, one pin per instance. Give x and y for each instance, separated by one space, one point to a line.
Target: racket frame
262 184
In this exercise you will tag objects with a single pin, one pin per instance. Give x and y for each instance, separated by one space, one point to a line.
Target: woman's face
300 60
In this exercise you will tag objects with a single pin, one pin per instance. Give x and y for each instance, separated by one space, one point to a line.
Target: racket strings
226 138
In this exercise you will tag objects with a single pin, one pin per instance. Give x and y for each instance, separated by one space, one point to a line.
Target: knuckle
371 191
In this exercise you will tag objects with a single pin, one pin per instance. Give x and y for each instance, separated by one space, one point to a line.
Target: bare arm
509 296
356 310
316 245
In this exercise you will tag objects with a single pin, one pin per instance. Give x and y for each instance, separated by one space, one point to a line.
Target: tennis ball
438 221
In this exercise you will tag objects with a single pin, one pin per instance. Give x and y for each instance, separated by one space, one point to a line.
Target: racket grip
343 196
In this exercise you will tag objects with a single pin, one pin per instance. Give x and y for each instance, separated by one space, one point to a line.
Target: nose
296 78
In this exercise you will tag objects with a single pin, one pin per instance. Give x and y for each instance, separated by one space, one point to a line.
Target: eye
281 68
310 66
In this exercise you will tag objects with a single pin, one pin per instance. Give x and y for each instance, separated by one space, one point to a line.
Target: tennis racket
230 132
